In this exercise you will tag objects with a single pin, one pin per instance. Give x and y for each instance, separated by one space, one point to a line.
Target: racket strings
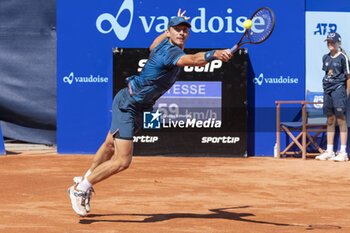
263 26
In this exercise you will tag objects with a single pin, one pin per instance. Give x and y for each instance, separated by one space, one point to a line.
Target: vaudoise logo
201 22
84 79
261 79
120 31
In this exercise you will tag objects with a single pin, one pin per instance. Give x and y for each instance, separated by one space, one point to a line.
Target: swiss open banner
203 113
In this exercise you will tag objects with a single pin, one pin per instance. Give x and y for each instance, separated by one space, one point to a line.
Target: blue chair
312 124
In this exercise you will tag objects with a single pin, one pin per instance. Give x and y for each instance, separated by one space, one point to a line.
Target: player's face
178 35
333 46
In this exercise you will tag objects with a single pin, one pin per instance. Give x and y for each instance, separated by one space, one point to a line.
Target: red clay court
177 194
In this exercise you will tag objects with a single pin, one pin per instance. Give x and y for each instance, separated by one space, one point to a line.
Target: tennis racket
263 25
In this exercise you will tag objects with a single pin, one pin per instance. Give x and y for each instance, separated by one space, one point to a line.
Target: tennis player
336 86
159 74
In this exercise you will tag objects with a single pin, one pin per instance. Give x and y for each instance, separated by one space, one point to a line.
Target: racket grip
233 49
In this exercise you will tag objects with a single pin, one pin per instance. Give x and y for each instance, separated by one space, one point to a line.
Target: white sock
330 148
87 174
84 185
343 148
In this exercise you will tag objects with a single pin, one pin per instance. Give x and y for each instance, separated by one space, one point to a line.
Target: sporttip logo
281 80
146 139
84 79
224 139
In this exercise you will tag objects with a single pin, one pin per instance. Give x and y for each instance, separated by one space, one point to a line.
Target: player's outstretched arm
159 39
202 58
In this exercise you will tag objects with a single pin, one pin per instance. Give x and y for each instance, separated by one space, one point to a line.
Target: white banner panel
318 25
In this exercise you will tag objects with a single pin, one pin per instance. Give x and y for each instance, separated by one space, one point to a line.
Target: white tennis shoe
77 200
77 180
325 156
341 157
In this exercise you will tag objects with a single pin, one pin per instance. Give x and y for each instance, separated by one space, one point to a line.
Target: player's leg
106 150
341 99
104 153
340 106
328 109
329 153
342 155
330 129
122 128
343 128
119 162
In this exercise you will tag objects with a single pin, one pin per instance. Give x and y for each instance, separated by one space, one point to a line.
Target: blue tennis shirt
335 70
158 75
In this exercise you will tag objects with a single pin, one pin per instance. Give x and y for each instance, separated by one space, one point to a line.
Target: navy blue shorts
335 102
126 115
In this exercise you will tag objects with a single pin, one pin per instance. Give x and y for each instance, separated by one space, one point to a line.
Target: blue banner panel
2 146
87 32
324 5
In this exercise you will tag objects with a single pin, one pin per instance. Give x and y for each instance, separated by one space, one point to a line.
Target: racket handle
233 49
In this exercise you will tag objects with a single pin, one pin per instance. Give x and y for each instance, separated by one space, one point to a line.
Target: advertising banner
203 113
87 31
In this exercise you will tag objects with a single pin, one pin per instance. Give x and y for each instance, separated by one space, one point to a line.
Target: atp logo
325 28
120 32
151 120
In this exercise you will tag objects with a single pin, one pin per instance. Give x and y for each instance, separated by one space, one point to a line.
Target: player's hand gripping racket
263 25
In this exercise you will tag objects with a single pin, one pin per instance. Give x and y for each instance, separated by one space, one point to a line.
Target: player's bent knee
330 122
121 164
125 163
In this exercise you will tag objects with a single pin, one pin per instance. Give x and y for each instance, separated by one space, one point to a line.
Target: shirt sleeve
173 56
324 67
346 65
